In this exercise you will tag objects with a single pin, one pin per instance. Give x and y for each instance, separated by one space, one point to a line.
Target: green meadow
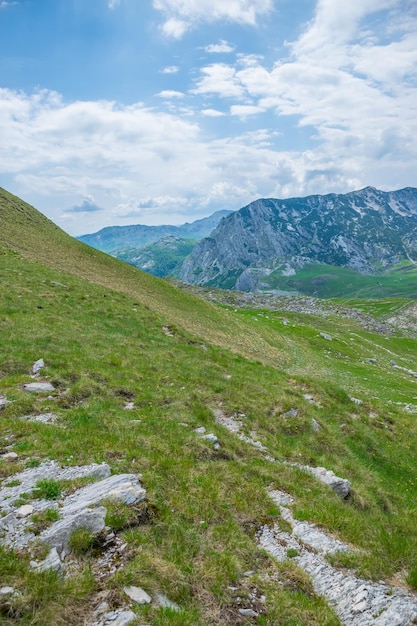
110 334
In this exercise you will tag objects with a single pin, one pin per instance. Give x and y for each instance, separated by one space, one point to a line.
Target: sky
117 112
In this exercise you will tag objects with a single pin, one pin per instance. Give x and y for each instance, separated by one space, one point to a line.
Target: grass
326 281
99 328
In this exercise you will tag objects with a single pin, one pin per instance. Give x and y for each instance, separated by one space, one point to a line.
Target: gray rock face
354 230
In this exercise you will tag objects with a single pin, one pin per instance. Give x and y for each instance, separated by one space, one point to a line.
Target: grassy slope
36 238
102 341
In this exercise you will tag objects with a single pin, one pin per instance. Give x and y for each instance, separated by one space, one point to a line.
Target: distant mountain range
115 238
266 244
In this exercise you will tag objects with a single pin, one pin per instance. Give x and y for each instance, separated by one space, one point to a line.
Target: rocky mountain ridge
367 230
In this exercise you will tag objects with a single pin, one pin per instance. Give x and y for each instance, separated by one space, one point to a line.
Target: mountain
221 418
161 258
114 238
367 231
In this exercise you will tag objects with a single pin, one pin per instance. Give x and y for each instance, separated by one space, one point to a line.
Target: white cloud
112 4
223 47
169 93
220 79
182 15
171 69
212 113
243 110
4 4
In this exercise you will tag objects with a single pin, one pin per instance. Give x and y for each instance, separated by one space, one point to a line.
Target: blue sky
164 111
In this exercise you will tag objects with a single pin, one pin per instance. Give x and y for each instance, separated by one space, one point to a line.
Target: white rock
211 438
6 591
166 603
3 402
38 387
60 532
138 595
38 365
201 430
52 562
326 336
248 612
10 456
24 511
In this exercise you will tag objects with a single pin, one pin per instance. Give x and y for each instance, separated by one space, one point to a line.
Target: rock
200 430
43 418
10 456
38 387
356 400
138 595
211 438
3 402
341 486
291 413
315 426
6 591
52 562
38 365
248 612
120 487
60 532
24 511
129 406
326 336
166 603
373 361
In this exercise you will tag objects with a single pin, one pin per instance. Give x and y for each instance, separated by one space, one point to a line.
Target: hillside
223 413
318 245
162 258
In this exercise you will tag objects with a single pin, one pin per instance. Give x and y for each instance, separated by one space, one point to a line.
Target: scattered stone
315 425
248 612
43 418
3 402
341 486
38 387
355 400
138 595
326 336
211 438
59 534
120 617
291 413
24 511
6 591
58 284
129 406
9 456
165 602
37 366
201 430
52 562
373 361
310 399
167 331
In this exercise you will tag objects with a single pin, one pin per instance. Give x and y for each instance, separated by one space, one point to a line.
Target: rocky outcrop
358 230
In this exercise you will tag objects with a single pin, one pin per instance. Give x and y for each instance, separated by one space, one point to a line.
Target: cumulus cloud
87 205
4 4
182 15
223 47
212 113
170 93
171 69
